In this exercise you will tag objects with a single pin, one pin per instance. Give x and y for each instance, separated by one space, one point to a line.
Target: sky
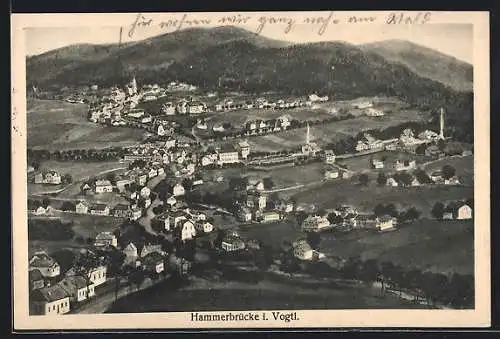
449 38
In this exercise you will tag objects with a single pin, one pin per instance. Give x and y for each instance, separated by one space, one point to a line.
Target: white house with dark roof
52 300
47 266
99 209
103 186
104 239
82 207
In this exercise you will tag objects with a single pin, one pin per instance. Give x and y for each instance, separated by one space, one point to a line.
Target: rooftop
49 294
42 259
105 236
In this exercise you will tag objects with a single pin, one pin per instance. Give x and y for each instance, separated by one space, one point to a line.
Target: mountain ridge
426 62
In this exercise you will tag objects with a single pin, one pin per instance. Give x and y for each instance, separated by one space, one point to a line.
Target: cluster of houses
406 142
253 205
258 126
115 106
52 293
49 177
225 154
263 103
185 223
234 242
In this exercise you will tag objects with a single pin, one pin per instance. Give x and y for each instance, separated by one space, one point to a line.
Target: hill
99 63
426 62
228 58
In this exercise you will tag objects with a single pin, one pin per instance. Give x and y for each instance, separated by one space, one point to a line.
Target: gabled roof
42 259
99 207
105 236
35 275
152 258
72 284
50 294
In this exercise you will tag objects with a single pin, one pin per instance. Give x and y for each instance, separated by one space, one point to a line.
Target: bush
54 230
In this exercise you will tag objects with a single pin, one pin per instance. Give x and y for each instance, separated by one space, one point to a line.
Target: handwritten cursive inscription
261 22
404 18
323 22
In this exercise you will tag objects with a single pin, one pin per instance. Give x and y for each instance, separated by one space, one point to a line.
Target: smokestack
441 124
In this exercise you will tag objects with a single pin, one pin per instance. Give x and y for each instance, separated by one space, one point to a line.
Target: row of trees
456 290
405 178
36 156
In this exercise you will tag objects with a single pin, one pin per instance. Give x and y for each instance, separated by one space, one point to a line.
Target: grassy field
442 246
60 125
464 167
264 295
332 194
83 225
362 162
238 118
293 175
331 132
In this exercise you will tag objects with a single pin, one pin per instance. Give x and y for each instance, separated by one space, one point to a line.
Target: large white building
315 223
228 155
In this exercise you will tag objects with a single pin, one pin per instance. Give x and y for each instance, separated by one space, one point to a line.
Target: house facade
178 190
99 209
82 207
270 216
315 223
103 186
188 230
76 288
232 243
47 266
52 300
98 275
104 239
385 223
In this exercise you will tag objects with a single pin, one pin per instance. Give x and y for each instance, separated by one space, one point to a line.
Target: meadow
83 225
440 246
464 166
58 125
238 118
324 134
365 198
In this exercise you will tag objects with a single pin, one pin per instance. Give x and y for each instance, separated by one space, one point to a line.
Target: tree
68 206
420 150
412 214
381 179
363 179
404 178
334 219
313 239
379 210
422 177
438 210
85 262
369 270
448 171
111 177
390 209
45 202
67 179
137 277
268 183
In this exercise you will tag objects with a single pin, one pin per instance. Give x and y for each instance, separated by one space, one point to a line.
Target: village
178 195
